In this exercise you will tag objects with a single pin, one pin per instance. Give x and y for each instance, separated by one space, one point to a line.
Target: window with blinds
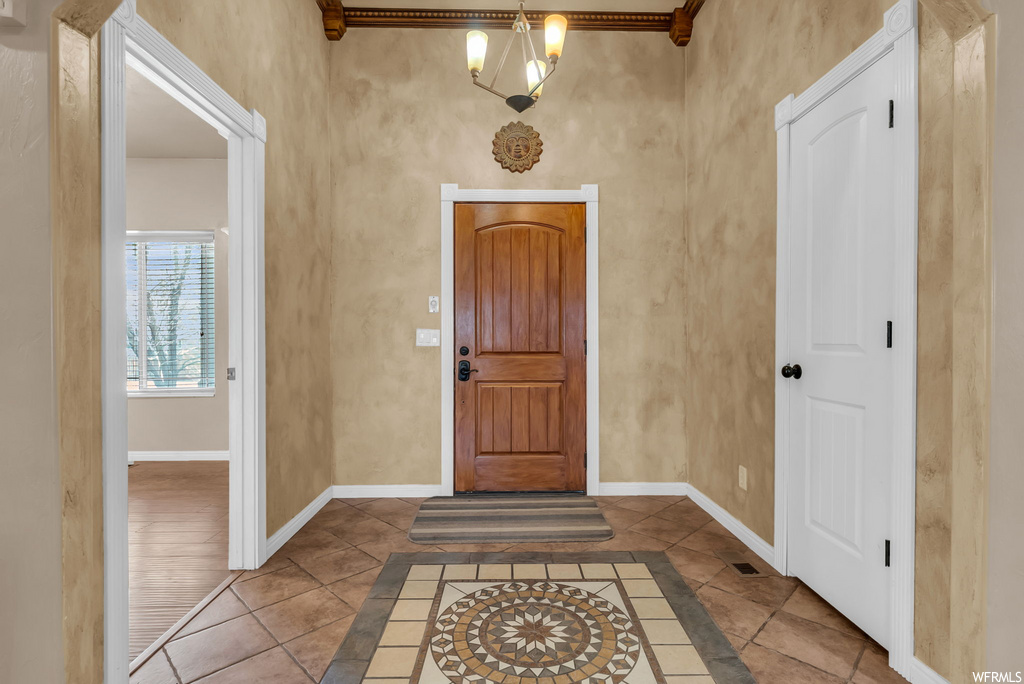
171 332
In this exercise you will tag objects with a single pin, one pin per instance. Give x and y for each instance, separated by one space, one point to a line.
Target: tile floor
284 622
178 542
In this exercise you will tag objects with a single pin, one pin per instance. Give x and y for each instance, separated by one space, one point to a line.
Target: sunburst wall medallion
517 147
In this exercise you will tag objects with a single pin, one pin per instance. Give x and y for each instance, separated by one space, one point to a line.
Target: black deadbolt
464 351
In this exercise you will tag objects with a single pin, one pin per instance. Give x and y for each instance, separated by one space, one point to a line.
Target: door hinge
584 347
888 335
584 460
892 114
231 373
584 235
887 545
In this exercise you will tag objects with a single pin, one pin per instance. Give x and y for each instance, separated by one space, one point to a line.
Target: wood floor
178 542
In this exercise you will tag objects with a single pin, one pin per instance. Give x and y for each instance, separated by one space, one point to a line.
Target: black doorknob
794 371
465 370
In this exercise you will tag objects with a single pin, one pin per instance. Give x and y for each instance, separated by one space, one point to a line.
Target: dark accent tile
592 557
430 558
705 634
525 557
389 582
364 634
730 670
650 557
345 672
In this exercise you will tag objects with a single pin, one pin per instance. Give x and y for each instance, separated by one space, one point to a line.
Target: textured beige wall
740 64
184 194
935 346
272 56
30 497
407 120
1006 513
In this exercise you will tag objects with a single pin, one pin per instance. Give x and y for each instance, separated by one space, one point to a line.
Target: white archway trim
128 40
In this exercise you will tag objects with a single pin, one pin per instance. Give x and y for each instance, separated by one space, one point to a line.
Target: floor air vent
740 564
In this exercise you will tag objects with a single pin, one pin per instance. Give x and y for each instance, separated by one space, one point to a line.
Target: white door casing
127 39
840 300
897 41
451 193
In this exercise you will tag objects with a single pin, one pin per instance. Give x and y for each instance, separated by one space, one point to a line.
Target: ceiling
553 5
160 127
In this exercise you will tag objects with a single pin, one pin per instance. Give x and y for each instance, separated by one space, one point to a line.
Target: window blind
171 331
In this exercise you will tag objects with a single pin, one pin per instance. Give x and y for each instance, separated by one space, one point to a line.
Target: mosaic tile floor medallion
617 617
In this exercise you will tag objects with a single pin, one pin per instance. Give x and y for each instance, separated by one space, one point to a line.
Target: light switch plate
13 13
743 478
433 304
426 337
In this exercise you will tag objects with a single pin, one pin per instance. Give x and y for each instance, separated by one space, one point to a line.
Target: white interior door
841 300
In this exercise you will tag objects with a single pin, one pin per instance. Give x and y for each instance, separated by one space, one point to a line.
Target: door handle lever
465 370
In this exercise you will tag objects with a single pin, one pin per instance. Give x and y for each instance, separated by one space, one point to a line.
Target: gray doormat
513 519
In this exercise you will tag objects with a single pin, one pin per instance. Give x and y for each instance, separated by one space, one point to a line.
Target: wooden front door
520 323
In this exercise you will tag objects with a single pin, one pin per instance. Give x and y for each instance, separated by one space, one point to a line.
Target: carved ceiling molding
337 19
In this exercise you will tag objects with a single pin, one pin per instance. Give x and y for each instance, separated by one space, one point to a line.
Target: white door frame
900 36
450 194
127 39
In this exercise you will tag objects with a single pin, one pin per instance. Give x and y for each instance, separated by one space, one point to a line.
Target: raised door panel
519 286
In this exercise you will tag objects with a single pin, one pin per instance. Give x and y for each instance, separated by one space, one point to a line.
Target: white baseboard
643 489
922 674
759 546
178 456
385 491
278 539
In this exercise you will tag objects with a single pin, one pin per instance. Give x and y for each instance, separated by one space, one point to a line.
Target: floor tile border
353 657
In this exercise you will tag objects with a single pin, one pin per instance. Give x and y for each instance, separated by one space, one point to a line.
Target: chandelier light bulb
535 71
476 51
555 26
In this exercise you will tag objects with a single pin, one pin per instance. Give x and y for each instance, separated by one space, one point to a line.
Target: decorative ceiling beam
681 29
678 24
334 18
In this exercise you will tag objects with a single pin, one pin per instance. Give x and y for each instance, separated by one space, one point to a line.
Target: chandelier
536 70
